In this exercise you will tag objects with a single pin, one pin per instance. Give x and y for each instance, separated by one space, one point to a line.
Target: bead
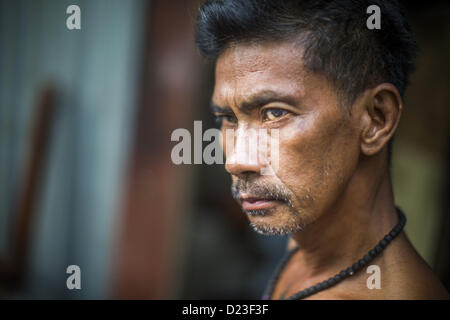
302 294
383 243
331 282
367 258
337 278
350 271
372 253
343 274
393 234
378 248
388 238
325 284
356 266
362 263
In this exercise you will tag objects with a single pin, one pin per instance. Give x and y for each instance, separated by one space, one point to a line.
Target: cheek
317 158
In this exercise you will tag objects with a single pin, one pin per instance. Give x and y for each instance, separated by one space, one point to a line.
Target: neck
353 225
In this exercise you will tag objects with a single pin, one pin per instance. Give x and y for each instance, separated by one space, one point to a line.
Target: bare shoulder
405 275
411 277
399 274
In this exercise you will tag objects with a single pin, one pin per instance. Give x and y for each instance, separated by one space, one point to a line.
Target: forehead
245 69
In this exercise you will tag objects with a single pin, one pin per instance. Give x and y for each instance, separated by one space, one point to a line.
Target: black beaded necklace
345 273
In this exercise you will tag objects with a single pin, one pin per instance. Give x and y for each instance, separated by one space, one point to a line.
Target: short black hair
337 42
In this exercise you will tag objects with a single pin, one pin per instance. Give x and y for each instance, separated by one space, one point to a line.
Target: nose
242 152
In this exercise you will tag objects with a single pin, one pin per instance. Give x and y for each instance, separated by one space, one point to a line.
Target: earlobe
383 110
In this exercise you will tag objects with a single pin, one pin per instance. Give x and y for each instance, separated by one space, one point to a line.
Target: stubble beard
278 193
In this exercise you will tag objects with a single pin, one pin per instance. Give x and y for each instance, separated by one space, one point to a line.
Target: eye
222 119
272 114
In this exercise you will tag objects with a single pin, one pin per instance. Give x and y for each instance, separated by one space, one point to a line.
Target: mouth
254 203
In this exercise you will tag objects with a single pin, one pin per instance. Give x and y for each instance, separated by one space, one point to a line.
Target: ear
382 111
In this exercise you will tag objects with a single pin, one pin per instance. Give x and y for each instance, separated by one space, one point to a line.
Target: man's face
265 86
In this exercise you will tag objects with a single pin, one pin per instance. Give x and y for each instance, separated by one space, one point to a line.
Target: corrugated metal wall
94 71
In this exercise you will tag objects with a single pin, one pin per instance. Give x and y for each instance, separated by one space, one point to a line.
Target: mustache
261 190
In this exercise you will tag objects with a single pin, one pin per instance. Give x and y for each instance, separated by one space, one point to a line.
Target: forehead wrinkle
227 94
246 69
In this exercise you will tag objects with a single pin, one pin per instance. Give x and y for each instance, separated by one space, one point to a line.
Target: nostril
243 168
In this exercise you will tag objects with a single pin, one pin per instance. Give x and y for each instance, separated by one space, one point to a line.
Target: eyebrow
256 101
216 109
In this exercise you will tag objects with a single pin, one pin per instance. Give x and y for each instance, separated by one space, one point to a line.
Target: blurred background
86 176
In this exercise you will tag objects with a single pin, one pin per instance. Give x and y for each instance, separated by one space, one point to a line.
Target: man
333 90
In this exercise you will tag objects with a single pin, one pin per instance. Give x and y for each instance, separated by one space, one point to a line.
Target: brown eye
273 114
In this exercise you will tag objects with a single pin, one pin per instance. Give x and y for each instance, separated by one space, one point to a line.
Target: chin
274 222
270 230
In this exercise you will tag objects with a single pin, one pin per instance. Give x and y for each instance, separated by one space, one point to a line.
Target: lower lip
257 205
